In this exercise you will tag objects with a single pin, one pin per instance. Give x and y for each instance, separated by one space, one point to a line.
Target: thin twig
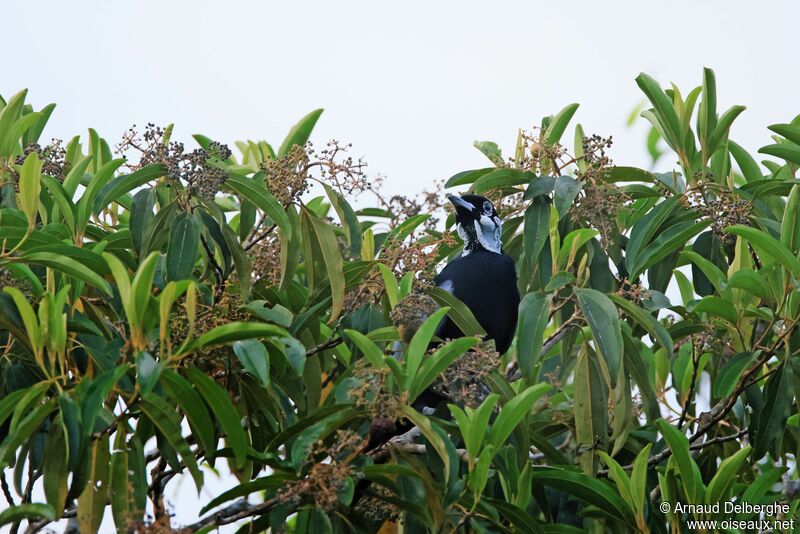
6 489
331 343
685 410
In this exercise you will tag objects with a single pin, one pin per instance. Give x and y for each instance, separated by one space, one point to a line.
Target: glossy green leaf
27 511
184 240
646 321
768 245
254 358
30 186
223 409
300 132
589 489
533 319
601 314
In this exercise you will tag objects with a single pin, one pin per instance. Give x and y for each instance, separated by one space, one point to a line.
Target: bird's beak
460 204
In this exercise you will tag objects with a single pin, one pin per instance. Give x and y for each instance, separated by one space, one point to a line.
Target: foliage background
433 78
179 297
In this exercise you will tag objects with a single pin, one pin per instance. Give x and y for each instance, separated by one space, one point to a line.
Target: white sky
411 84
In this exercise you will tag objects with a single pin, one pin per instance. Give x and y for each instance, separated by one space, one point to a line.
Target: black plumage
483 278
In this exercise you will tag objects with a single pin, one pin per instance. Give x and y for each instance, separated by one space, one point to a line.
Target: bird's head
477 223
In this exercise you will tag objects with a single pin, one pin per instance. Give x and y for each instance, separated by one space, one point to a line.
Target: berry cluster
53 156
202 171
720 205
463 382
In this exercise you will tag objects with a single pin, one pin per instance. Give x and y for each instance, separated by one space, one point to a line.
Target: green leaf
237 330
767 245
256 192
716 306
723 127
537 227
30 186
473 423
300 132
371 352
572 243
620 478
254 358
771 422
629 174
123 503
728 376
490 150
437 362
747 164
54 467
689 472
589 489
513 412
436 441
559 123
333 262
565 190
27 511
601 314
790 223
348 220
125 184
92 501
786 151
467 177
644 229
533 318
68 266
23 430
672 239
276 314
789 131
459 312
501 178
707 114
28 316
163 417
664 111
725 476
181 393
65 205
419 344
228 419
639 480
590 408
147 371
184 240
646 321
98 181
752 282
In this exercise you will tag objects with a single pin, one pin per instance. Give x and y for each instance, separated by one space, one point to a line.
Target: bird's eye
487 207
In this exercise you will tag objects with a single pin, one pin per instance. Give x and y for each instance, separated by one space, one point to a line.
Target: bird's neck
475 239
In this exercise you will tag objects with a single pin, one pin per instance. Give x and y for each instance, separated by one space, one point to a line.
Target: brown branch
240 509
257 239
219 275
6 489
331 343
695 366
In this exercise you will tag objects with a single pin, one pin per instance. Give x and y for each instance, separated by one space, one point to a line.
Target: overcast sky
411 84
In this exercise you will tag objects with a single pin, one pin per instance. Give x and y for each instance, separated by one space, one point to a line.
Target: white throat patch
487 232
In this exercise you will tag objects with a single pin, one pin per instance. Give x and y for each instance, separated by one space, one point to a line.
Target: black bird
483 277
